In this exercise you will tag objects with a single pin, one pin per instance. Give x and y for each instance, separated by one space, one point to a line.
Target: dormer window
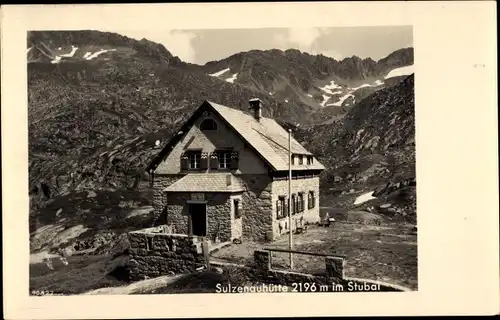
309 160
208 125
293 159
301 160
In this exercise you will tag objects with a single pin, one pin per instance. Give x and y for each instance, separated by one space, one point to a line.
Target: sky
201 46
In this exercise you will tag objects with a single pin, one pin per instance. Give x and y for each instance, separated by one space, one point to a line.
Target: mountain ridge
295 76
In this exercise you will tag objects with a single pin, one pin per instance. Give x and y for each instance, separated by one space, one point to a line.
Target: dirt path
136 287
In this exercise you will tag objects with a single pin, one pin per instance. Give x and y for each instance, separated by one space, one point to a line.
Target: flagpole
290 194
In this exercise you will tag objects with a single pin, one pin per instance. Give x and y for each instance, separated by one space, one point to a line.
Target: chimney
256 106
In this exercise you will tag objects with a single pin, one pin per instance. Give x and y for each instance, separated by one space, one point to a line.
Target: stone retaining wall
153 254
334 270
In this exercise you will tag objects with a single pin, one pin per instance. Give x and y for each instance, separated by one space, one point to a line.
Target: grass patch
83 273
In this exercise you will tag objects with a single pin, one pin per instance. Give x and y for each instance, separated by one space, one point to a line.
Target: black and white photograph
228 160
177 160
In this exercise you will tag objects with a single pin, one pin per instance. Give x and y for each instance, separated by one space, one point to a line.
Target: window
294 204
293 159
300 202
208 125
281 207
237 212
311 201
224 158
301 160
309 160
194 160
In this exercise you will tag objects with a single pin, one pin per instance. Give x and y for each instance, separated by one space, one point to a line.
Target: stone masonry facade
258 220
256 207
219 218
160 182
310 216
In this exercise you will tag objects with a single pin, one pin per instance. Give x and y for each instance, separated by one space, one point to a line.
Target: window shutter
214 161
278 209
184 161
234 160
204 161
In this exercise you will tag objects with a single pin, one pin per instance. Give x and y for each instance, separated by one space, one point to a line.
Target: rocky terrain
101 105
372 148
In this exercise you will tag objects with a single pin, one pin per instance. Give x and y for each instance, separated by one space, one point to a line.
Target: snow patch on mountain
58 58
328 88
286 100
325 99
231 80
364 85
364 198
219 73
341 100
72 53
91 56
29 49
403 71
310 95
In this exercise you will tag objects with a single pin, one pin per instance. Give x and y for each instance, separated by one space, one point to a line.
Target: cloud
178 42
302 39
306 40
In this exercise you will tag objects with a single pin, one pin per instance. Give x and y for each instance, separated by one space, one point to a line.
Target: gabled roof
206 182
265 136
